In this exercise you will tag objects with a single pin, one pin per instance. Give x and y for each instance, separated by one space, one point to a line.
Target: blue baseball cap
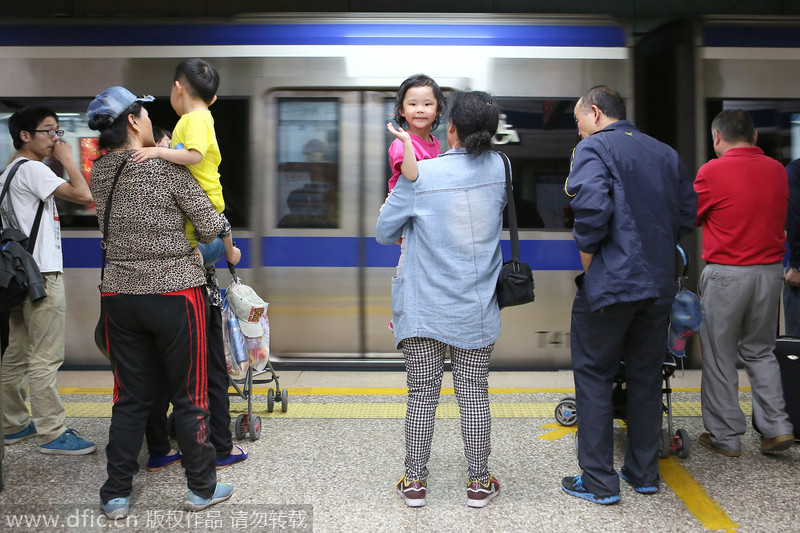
114 101
685 320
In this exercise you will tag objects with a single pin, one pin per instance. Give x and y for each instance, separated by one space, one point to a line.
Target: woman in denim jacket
443 294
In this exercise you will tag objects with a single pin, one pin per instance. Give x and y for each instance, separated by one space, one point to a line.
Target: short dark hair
114 132
734 125
418 80
475 116
607 100
27 119
159 133
199 77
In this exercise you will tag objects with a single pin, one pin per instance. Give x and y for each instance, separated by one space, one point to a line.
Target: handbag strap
511 211
106 218
35 228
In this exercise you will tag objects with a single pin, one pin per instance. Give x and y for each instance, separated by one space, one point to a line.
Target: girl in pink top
418 109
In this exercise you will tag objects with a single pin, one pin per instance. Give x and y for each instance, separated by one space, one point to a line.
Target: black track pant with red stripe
145 334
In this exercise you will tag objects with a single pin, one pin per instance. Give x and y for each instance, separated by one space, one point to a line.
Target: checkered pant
424 360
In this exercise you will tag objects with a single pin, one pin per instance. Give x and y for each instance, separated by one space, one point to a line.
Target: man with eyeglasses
36 329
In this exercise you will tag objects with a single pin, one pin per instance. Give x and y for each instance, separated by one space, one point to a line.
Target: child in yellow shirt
194 144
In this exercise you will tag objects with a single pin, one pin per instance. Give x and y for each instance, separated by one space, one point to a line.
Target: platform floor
329 464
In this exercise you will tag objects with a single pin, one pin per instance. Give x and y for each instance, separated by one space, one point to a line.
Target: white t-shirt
32 183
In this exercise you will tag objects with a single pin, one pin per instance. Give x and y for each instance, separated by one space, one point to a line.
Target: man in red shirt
742 199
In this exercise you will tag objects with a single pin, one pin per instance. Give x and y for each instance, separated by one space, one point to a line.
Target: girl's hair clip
490 104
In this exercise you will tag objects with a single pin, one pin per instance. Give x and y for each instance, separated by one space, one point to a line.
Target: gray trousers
740 317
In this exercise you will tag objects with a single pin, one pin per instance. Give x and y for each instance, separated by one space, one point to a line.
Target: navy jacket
633 200
793 214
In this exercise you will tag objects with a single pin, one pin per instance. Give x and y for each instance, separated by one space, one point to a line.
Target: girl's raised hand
401 134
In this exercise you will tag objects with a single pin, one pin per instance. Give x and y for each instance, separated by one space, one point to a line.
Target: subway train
301 122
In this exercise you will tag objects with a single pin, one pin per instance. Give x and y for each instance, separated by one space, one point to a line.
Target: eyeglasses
52 133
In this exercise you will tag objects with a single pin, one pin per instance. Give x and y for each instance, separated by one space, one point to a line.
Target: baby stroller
248 423
566 412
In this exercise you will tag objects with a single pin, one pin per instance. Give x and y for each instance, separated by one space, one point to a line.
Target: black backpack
19 273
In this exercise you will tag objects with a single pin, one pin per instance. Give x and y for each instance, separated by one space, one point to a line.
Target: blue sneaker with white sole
194 502
116 508
19 436
68 443
651 488
574 486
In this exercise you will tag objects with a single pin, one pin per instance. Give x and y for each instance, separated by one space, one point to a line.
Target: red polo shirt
741 204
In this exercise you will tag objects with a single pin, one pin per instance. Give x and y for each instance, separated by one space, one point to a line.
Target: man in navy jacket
633 200
791 290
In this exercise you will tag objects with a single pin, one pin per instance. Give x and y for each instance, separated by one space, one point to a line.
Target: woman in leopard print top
154 304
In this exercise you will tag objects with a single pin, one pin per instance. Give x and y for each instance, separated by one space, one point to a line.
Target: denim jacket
450 219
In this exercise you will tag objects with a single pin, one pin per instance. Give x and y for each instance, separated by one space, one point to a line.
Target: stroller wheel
683 443
284 400
666 444
238 428
255 427
270 400
567 412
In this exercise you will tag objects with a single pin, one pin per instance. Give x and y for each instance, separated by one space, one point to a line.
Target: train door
309 248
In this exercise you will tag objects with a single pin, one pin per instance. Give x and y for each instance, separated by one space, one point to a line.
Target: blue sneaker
157 462
26 433
196 503
574 486
68 443
232 458
641 489
115 508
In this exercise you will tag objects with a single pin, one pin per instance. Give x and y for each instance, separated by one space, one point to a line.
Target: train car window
231 122
308 163
777 123
538 136
84 146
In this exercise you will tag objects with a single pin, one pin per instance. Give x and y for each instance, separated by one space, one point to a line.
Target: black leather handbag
515 283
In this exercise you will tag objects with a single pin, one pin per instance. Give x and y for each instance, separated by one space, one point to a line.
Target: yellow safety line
704 508
374 391
343 410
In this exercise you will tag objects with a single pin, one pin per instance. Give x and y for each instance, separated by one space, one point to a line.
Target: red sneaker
413 492
479 494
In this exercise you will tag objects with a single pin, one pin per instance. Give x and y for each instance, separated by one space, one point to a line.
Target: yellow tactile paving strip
499 409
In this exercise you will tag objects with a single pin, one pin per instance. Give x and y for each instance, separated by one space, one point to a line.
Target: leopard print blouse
147 249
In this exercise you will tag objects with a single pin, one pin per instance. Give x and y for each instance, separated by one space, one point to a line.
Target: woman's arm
395 212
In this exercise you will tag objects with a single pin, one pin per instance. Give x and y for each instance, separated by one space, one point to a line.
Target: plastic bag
258 347
236 354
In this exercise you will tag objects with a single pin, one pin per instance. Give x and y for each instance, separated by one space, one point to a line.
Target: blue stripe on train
309 34
347 251
84 252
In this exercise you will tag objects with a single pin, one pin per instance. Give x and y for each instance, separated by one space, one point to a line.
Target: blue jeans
212 252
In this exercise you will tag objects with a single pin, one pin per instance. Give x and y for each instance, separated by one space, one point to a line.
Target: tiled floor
330 462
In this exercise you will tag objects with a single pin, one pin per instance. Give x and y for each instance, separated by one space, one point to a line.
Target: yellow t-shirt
195 131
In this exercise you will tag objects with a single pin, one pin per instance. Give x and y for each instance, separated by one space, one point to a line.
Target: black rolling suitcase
787 351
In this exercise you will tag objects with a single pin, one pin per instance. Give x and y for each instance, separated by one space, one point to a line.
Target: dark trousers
148 335
219 401
635 332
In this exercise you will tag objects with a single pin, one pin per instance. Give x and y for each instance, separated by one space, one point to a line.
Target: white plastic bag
258 347
236 353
